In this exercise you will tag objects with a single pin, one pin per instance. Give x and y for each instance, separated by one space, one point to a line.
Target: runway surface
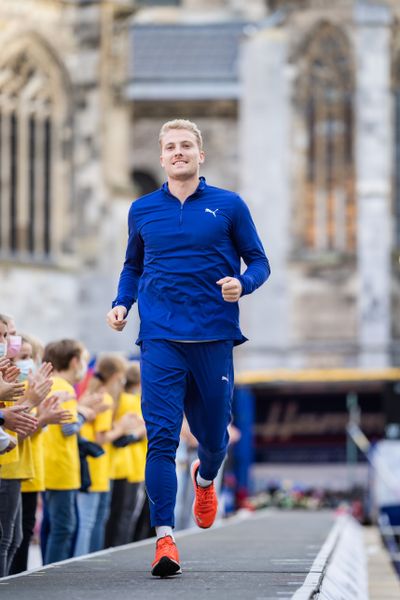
263 557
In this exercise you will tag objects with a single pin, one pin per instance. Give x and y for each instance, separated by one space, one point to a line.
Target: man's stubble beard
185 176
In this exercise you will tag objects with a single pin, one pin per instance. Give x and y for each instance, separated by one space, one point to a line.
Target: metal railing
390 533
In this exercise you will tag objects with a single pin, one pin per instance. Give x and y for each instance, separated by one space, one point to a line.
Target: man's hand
231 288
116 318
16 419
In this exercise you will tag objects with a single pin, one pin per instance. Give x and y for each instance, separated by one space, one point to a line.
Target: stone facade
334 295
81 49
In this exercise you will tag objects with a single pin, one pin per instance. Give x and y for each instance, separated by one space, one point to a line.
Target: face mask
25 366
3 349
14 345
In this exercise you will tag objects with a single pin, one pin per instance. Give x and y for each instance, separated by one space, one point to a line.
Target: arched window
34 158
144 182
325 98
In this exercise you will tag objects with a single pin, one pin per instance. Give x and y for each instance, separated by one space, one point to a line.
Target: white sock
164 530
202 482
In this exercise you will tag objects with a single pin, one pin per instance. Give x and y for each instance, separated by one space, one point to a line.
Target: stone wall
44 302
73 295
312 312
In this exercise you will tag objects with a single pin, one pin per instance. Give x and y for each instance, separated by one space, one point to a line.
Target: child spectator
48 412
93 503
136 501
17 464
62 467
120 462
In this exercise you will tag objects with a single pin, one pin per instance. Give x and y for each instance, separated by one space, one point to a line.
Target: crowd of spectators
72 442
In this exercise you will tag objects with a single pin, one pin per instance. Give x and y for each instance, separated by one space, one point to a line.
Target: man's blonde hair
182 124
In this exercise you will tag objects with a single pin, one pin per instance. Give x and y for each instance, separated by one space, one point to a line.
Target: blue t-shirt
175 255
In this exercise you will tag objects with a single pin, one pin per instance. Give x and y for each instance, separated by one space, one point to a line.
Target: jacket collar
200 187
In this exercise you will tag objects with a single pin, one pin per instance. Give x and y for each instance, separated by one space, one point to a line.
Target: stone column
373 180
264 163
102 174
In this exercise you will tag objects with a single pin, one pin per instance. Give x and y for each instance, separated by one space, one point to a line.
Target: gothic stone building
299 103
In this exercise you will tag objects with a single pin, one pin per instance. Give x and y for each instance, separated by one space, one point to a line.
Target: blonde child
93 503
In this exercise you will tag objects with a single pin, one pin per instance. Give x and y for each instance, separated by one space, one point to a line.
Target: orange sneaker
166 561
205 503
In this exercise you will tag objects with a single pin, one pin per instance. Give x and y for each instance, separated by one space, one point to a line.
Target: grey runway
266 556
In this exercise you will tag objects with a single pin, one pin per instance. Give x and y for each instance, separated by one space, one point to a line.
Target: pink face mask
14 343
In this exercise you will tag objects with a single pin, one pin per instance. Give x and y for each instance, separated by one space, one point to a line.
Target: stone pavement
266 556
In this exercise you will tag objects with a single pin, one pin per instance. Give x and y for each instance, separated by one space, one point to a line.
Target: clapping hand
10 391
39 385
10 373
17 419
50 411
4 363
132 423
91 404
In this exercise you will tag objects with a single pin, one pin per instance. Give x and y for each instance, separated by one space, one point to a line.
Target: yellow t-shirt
13 455
120 458
61 455
23 468
36 483
139 450
18 463
99 467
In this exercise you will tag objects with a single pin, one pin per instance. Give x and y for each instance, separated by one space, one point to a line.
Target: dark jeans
128 508
61 511
44 527
29 503
10 518
115 535
97 539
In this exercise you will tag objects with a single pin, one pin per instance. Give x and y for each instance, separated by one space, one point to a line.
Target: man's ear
202 157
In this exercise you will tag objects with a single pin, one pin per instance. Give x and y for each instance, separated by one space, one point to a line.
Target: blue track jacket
177 252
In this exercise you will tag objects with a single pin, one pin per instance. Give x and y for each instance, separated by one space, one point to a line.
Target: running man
182 265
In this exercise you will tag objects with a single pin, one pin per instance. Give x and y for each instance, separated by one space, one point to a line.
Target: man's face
181 156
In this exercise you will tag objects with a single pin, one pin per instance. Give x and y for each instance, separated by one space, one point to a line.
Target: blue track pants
195 378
